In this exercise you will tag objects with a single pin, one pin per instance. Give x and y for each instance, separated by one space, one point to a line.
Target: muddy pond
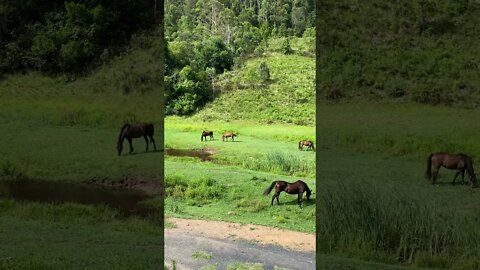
202 154
126 202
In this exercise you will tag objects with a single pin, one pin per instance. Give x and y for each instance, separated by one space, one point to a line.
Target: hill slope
421 51
289 95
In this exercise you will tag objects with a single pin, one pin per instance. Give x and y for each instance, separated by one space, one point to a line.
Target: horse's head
119 148
473 180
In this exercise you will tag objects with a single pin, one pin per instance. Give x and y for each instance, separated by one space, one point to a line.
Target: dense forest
69 37
205 38
422 51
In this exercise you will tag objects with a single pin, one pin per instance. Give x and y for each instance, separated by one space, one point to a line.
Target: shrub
264 72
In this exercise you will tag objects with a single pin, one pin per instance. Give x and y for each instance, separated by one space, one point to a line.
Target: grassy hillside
422 51
288 97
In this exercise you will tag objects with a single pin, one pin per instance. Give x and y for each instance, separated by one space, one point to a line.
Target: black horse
298 187
207 133
138 130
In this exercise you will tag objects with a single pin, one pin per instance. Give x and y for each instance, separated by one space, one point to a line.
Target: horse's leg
463 176
277 194
273 198
456 175
130 143
435 174
146 142
153 141
299 200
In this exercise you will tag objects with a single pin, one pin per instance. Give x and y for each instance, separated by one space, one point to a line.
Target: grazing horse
291 188
309 145
460 162
229 135
130 131
207 133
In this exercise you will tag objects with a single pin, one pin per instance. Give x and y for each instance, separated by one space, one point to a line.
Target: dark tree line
205 36
67 36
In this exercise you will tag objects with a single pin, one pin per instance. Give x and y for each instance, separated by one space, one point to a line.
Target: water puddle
202 154
127 202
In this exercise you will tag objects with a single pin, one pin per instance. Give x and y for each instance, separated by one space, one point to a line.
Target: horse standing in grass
298 187
309 145
130 131
227 135
460 162
207 133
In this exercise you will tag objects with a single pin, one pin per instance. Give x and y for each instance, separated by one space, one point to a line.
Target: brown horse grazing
130 131
291 188
207 133
229 135
309 145
460 162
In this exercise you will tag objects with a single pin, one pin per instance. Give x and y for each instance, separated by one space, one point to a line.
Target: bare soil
292 240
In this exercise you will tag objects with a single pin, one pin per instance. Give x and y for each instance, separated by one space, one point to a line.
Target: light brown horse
309 145
460 162
206 133
227 135
130 131
298 187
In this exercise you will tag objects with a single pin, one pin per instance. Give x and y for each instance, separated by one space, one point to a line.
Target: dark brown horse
227 135
460 162
298 187
207 133
130 131
309 145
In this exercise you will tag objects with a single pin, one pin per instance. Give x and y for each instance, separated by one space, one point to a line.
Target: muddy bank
202 154
126 202
151 188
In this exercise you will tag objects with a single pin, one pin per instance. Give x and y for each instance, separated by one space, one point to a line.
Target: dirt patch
202 154
297 241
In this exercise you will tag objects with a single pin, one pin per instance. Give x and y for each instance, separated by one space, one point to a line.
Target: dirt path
232 242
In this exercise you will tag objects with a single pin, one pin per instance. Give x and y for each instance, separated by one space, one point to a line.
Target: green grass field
234 180
57 130
375 203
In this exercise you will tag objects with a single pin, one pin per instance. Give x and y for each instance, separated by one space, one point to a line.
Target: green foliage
68 37
212 34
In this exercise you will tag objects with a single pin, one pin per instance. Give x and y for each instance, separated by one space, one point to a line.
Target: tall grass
282 163
393 225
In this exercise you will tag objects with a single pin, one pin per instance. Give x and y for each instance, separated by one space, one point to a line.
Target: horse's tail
269 189
428 173
313 147
300 145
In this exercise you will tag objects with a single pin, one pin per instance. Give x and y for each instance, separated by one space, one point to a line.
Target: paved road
180 245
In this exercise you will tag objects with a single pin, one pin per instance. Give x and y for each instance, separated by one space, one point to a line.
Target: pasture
66 132
229 187
375 203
